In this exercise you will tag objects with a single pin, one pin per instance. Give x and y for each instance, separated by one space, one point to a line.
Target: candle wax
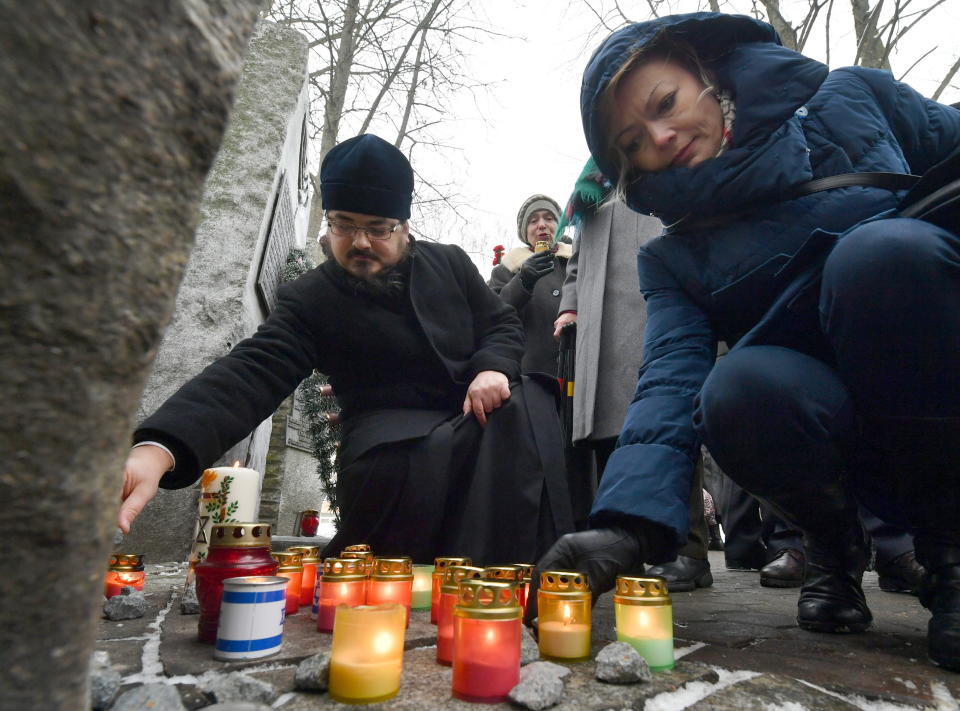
564 641
363 681
293 591
657 652
308 583
485 683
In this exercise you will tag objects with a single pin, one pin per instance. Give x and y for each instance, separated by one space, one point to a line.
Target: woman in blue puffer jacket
843 380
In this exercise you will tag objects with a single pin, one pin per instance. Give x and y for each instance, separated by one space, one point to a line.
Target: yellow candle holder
644 618
563 605
366 656
422 587
439 565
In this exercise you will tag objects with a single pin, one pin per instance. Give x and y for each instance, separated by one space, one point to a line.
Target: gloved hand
601 553
536 266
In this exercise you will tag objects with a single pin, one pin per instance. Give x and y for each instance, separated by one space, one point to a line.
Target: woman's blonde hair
663 46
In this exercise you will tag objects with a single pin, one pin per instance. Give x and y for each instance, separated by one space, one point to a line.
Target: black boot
831 598
940 593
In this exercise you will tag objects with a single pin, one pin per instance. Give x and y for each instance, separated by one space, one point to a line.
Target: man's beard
390 282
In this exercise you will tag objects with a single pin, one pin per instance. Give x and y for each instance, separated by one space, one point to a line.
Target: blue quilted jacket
753 279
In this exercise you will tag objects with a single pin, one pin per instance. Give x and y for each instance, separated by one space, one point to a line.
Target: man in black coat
425 363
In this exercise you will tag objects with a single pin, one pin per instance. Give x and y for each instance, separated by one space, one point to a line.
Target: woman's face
662 118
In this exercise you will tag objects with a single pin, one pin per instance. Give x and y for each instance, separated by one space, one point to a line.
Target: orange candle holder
366 656
391 581
486 640
310 559
526 575
563 607
290 568
343 582
440 565
125 569
452 575
507 574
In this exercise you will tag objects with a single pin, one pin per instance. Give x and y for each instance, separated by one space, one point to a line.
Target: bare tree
392 66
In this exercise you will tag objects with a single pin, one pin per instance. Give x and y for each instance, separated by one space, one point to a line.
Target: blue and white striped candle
251 617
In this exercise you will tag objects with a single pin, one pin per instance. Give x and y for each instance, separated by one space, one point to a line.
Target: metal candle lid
362 547
541 246
240 535
343 569
445 562
311 512
487 600
526 570
392 569
126 562
455 573
310 555
564 582
290 561
503 573
651 590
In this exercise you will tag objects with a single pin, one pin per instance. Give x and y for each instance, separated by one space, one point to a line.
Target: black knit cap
366 174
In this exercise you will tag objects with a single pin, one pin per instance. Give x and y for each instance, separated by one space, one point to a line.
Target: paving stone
766 692
189 604
104 681
237 706
619 663
540 687
529 649
313 673
193 697
235 686
125 654
130 604
156 697
140 627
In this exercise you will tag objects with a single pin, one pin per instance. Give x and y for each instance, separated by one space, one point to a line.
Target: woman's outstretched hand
141 479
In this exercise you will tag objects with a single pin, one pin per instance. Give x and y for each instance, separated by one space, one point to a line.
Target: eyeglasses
344 230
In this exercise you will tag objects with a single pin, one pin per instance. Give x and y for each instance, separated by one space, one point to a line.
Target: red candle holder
440 565
391 581
526 576
236 550
309 522
486 641
125 569
452 576
343 582
291 568
507 574
309 558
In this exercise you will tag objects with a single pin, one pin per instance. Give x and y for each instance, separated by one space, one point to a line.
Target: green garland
324 435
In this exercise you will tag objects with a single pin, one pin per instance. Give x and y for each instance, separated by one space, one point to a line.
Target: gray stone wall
219 302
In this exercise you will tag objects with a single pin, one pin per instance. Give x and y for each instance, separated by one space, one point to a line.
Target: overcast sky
524 135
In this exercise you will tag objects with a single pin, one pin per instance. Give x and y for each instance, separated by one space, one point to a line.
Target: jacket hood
768 83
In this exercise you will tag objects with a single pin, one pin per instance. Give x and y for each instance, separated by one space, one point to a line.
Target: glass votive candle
309 522
449 590
441 564
366 656
422 587
486 641
290 568
507 574
236 550
644 618
391 581
251 617
366 556
310 560
526 575
125 569
563 607
343 582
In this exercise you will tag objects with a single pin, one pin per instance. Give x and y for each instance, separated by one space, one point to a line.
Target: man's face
360 254
541 224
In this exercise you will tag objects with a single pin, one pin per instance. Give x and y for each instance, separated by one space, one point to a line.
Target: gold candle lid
343 569
526 571
440 564
392 569
353 548
564 582
541 246
310 555
452 575
240 535
487 600
314 512
126 562
290 561
503 573
643 590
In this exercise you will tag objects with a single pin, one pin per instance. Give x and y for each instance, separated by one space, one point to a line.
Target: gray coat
602 287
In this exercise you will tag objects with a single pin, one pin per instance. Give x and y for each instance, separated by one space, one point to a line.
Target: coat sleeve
648 476
568 292
232 396
508 285
499 332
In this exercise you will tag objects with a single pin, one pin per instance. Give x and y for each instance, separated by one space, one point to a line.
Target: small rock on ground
529 650
540 687
189 605
156 697
619 663
128 605
313 673
104 681
238 687
237 706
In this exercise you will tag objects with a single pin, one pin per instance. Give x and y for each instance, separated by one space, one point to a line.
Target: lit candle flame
567 615
383 643
236 464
